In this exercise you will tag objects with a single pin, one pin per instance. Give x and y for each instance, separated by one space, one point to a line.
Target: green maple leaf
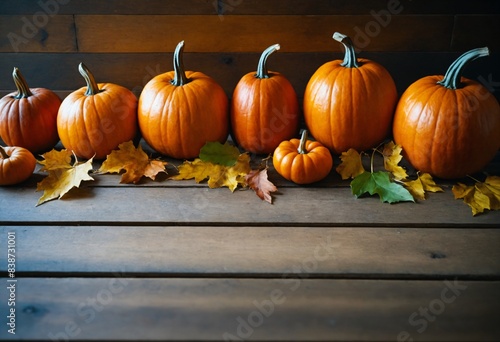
217 153
380 183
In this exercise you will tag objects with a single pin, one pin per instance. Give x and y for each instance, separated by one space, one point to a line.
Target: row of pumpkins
448 126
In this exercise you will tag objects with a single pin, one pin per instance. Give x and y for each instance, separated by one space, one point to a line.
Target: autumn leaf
217 153
481 196
419 186
392 157
258 181
380 183
54 160
351 165
218 175
61 180
134 161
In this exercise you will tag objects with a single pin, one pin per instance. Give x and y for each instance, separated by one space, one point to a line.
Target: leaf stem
474 179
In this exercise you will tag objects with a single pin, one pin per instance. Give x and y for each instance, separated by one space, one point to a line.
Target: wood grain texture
473 31
374 253
297 309
38 33
295 33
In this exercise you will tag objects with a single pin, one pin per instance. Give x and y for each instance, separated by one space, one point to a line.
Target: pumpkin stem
262 66
453 75
302 143
180 76
3 153
21 85
350 60
92 87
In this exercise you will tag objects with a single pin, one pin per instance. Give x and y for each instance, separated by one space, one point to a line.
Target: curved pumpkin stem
350 60
262 66
92 87
302 143
180 76
453 75
3 153
21 85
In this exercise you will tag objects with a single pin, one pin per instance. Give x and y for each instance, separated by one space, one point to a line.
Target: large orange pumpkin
350 103
448 126
181 111
264 108
28 118
95 119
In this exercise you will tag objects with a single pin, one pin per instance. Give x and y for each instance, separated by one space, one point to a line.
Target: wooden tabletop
175 260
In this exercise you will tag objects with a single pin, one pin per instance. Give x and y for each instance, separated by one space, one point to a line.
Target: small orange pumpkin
302 161
16 165
350 103
448 126
95 119
181 111
28 118
264 108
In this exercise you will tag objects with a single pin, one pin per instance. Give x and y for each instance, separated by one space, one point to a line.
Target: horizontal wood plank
301 206
472 31
40 33
234 7
295 33
258 251
289 309
133 70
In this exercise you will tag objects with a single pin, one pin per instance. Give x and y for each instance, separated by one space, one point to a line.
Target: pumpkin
350 103
179 111
302 161
28 118
264 108
95 119
16 165
448 126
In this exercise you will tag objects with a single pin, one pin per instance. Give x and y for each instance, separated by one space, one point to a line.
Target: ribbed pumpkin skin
97 124
18 167
264 112
178 120
448 133
30 122
350 107
306 168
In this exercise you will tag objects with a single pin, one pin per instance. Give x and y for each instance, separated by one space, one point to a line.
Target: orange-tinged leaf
259 182
54 160
351 165
218 175
134 161
60 181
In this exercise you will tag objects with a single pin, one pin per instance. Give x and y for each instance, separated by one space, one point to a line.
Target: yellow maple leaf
218 175
419 186
481 196
351 165
54 160
60 181
134 161
392 157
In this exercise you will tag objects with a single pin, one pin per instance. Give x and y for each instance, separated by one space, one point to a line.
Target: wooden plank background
129 42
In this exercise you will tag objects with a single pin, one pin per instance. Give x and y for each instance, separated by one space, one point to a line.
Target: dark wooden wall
128 42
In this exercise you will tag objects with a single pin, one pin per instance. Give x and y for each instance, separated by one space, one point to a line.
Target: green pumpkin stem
302 143
262 66
23 90
453 75
92 87
3 153
350 60
180 76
